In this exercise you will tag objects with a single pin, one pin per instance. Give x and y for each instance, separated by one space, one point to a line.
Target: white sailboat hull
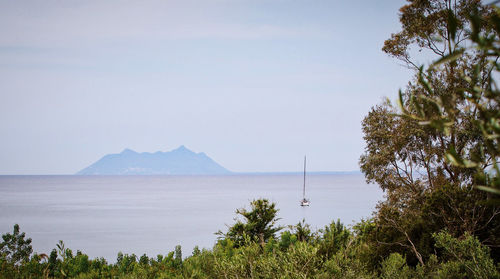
304 202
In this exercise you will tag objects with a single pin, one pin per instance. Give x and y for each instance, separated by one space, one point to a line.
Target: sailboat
304 201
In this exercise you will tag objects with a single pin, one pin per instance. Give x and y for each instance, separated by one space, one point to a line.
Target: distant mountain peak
182 148
128 151
180 161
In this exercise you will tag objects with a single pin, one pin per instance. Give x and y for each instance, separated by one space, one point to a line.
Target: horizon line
223 174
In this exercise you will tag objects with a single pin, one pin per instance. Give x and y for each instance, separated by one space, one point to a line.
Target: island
180 161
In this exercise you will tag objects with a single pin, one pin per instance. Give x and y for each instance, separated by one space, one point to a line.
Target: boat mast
304 190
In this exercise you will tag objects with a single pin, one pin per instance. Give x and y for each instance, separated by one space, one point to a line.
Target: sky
255 84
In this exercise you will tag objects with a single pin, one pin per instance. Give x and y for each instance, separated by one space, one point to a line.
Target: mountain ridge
180 161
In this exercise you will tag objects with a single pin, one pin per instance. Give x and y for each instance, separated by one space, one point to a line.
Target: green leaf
475 21
469 164
448 58
489 189
452 24
401 102
424 82
454 158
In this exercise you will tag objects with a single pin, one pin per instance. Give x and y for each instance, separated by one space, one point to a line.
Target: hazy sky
253 84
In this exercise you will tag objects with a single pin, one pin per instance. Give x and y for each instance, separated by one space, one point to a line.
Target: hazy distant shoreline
297 173
225 174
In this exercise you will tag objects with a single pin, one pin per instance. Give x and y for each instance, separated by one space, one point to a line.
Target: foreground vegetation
249 250
435 155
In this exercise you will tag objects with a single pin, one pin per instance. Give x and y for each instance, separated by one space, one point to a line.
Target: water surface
102 215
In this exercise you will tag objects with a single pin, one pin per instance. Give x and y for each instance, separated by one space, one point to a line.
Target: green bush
464 258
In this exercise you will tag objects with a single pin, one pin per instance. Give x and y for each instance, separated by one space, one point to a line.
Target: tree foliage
259 224
14 247
479 96
333 252
408 156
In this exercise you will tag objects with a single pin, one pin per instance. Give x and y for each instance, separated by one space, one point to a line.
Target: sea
104 215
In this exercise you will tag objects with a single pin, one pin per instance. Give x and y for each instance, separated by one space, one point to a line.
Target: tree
334 238
178 256
400 152
259 223
425 191
302 231
52 263
15 248
464 258
481 96
425 28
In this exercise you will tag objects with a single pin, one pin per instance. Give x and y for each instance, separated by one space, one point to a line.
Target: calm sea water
102 215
